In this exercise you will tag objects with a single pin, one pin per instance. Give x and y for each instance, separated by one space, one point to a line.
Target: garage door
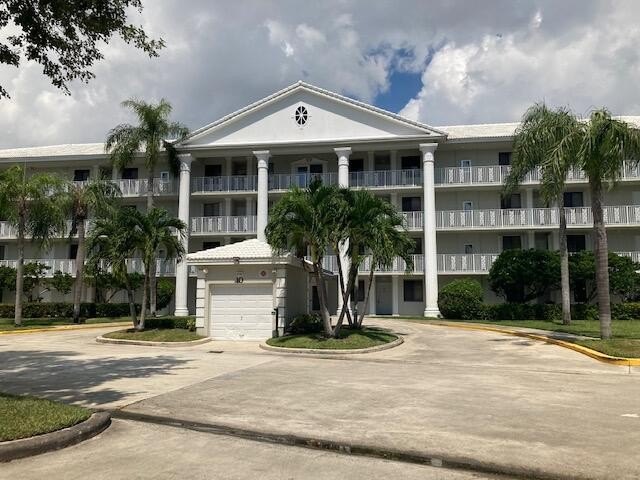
241 312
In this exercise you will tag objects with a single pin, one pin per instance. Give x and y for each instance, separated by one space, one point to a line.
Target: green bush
461 299
165 289
65 310
187 323
523 311
307 323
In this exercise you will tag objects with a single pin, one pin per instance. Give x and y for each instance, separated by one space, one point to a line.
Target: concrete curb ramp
434 458
64 328
120 341
27 447
329 352
602 357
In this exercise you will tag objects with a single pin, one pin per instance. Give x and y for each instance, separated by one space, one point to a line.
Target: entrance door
383 296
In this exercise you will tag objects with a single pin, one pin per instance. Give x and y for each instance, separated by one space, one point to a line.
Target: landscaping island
24 416
348 340
155 335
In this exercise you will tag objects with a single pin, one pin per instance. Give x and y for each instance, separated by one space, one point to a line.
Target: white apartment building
446 180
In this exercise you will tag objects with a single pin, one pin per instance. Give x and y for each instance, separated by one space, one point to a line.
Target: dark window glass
73 251
213 170
511 242
412 290
1 252
315 168
238 168
410 163
573 199
315 300
211 210
81 175
576 243
208 245
504 158
417 249
356 165
130 174
382 162
511 201
411 204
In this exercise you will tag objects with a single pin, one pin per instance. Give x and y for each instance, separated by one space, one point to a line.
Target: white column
429 223
248 207
227 206
371 156
343 182
395 295
531 234
182 271
262 209
393 160
228 167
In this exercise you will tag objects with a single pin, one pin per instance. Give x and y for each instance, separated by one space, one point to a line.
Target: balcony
213 225
138 187
386 179
282 182
228 184
412 220
526 218
134 265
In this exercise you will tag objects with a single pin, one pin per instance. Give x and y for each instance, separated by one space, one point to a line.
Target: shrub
307 323
165 289
187 323
523 311
65 310
461 299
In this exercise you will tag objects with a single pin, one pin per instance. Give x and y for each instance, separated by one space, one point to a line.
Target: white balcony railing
412 220
138 187
240 224
301 180
386 178
466 263
134 265
234 183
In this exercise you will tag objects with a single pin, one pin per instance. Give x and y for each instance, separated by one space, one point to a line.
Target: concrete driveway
501 401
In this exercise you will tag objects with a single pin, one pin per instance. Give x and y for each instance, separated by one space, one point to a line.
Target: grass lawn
24 416
31 323
349 340
625 341
156 335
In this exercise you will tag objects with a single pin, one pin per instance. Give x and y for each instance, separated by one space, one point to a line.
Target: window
270 168
413 290
504 158
511 201
573 199
465 163
301 115
410 163
164 176
382 162
81 175
211 210
411 204
315 299
511 242
417 249
239 168
73 251
208 245
576 243
2 252
356 165
467 205
468 249
213 170
130 174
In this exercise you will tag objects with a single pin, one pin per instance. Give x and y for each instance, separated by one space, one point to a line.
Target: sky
442 62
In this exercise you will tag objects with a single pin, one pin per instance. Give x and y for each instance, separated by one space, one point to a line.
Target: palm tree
157 230
31 205
83 199
113 240
306 221
153 134
548 140
606 143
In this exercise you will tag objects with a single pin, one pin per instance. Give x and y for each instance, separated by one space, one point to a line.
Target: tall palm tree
306 221
606 143
548 140
153 134
112 241
84 199
31 205
157 230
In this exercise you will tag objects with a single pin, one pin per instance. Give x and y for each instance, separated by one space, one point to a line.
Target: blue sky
403 87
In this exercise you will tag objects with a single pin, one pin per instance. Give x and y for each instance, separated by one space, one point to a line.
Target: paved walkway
497 399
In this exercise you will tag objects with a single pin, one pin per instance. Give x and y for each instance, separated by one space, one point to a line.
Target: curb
602 357
64 328
120 341
435 459
329 352
28 447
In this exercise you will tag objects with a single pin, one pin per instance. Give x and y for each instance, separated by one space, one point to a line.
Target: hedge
461 299
188 323
65 310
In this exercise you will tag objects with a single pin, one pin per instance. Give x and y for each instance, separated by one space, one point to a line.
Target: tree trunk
564 265
602 259
366 298
344 292
77 291
152 268
19 275
132 302
322 298
145 293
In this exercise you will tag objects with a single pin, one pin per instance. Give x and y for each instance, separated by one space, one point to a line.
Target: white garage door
241 312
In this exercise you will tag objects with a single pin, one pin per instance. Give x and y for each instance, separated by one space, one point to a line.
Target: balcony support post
429 225
182 271
343 154
262 209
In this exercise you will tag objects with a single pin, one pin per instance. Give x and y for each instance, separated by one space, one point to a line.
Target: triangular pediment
326 117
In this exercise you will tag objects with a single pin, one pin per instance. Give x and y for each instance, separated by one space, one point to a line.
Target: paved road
493 398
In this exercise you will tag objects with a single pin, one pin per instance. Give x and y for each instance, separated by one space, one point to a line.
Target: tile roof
67 150
247 249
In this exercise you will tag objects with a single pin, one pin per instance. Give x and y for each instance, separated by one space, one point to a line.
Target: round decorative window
301 115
